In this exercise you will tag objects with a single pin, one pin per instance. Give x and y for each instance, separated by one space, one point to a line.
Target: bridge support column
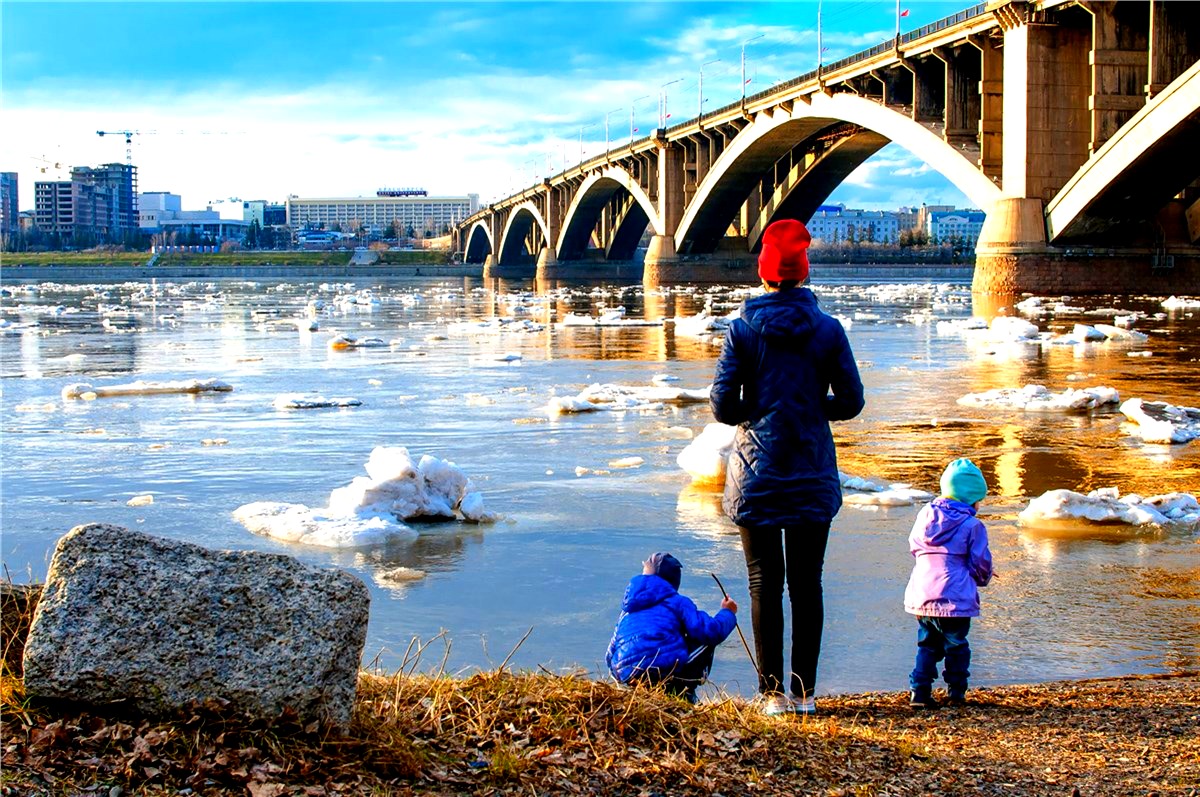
1013 258
489 266
547 264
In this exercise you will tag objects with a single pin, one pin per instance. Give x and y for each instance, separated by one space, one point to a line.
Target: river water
1064 604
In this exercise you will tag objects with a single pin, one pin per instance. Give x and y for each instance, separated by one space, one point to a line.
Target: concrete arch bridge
1075 125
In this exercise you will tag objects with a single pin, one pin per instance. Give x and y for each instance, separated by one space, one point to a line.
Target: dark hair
783 285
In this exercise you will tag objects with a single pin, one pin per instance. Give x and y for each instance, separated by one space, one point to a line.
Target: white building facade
427 215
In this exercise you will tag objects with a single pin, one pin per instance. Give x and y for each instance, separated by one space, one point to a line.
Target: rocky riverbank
500 733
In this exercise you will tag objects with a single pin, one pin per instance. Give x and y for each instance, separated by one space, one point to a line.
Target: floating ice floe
345 342
1036 398
704 458
495 325
619 398
140 500
608 318
1108 506
1180 303
703 324
300 402
627 462
140 388
1159 422
1117 333
870 493
371 509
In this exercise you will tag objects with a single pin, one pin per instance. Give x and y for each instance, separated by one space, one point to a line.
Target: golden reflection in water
1008 468
990 305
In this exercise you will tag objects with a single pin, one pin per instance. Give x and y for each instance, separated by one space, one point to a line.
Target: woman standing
786 371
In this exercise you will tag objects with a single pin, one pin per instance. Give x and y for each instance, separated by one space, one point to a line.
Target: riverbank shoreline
10 274
500 733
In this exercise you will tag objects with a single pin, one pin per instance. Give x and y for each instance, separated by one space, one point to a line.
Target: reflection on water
1065 602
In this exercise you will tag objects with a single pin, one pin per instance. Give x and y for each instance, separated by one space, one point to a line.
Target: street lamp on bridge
606 115
663 115
752 38
633 105
581 129
700 108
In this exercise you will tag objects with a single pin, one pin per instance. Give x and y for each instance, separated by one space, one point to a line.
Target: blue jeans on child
942 638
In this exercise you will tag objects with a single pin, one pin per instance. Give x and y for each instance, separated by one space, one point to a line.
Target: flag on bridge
904 13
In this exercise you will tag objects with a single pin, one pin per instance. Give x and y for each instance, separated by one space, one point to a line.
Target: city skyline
258 101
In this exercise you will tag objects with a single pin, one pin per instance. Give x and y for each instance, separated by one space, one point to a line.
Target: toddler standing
950 546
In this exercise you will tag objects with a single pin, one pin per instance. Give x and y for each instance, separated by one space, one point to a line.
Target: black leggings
798 551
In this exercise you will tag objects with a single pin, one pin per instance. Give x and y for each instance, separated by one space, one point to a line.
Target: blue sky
262 100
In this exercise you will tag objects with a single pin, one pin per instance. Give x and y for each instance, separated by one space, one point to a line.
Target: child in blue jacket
661 637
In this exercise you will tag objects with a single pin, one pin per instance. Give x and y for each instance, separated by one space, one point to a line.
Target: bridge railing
863 55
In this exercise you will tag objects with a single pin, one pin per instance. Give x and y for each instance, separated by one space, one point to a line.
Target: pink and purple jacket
950 546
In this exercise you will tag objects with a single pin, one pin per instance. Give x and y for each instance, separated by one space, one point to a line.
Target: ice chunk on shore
371 509
617 398
1159 422
1036 398
704 458
140 388
298 402
1107 506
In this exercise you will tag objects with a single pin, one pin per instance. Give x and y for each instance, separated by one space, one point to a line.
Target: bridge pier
1013 258
729 264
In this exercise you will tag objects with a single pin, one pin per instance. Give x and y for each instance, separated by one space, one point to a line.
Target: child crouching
950 546
661 637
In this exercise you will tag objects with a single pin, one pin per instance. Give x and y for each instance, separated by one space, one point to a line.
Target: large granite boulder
157 624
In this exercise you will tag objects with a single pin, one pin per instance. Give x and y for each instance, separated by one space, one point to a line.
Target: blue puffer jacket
656 628
781 360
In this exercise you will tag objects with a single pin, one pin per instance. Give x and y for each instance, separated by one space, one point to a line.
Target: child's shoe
922 699
804 706
957 697
777 705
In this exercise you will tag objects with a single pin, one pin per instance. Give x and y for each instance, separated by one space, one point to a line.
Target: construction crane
129 134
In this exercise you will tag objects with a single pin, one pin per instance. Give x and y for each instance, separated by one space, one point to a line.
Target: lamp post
606 115
633 105
752 38
662 102
581 129
700 107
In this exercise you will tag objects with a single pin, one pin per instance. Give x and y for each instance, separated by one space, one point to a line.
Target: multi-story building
267 214
96 204
71 209
834 224
407 208
8 204
955 226
119 180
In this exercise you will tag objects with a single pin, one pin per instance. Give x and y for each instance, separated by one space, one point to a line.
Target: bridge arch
593 194
1152 157
769 136
479 243
521 221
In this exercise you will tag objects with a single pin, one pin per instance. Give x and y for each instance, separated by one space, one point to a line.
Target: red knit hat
784 253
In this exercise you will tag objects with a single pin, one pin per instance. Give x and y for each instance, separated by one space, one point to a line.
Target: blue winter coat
657 627
785 372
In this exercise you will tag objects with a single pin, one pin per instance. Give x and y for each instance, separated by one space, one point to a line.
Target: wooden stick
739 630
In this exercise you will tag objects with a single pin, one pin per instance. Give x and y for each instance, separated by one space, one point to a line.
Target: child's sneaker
777 705
922 699
957 697
804 706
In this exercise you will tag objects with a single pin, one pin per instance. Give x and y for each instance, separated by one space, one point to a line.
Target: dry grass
498 732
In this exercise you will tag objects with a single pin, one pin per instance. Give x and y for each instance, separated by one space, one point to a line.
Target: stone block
155 624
